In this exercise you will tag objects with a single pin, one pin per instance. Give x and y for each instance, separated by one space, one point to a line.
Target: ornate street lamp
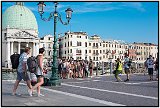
54 79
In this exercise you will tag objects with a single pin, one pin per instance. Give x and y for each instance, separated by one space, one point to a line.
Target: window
86 51
70 43
43 45
100 51
49 38
103 45
89 51
85 44
71 36
79 43
65 52
89 44
86 37
65 45
93 44
100 44
106 45
103 56
65 37
70 50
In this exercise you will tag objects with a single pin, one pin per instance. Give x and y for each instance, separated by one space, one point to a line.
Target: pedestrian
22 71
118 69
60 68
126 66
91 67
156 68
39 73
86 68
150 63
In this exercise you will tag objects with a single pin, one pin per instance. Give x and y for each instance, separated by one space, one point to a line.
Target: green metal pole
54 79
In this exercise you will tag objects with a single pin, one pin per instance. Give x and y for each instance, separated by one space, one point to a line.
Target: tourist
22 71
39 73
118 69
126 66
150 63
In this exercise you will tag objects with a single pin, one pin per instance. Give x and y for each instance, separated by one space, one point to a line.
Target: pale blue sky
128 21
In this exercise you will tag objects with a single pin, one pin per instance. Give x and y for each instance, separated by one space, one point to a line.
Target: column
8 54
11 48
37 48
27 44
19 47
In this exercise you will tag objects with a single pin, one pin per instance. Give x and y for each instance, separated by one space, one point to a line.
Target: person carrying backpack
126 66
118 69
150 63
39 73
22 71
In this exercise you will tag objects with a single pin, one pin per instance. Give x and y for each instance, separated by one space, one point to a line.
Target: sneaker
40 95
30 92
126 80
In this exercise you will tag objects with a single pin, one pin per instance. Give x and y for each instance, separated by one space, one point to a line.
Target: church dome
18 16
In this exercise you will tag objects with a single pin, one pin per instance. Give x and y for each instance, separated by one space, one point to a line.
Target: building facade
78 45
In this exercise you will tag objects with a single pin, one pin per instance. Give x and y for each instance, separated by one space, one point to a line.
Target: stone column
27 44
19 47
37 48
11 48
8 55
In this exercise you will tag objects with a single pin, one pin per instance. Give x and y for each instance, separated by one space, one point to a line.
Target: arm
40 62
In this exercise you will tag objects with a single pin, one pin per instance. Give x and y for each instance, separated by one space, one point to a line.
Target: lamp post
54 79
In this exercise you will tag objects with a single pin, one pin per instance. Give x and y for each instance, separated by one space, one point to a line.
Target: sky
127 21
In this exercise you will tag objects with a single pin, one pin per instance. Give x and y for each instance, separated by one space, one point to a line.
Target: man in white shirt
150 65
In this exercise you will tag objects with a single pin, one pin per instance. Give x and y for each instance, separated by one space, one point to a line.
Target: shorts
150 71
22 75
127 71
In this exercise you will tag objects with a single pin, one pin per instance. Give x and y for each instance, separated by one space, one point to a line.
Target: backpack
129 62
15 60
32 64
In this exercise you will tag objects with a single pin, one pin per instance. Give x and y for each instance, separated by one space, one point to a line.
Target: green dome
18 16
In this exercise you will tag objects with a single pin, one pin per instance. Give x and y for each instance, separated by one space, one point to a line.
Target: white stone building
78 45
47 43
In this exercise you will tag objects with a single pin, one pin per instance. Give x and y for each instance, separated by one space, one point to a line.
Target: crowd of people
75 68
